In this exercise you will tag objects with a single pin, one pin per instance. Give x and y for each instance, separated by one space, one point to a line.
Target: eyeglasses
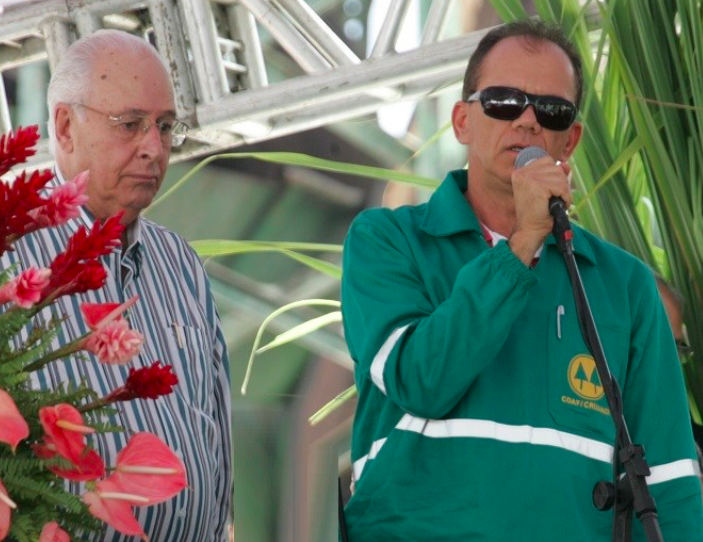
505 103
127 126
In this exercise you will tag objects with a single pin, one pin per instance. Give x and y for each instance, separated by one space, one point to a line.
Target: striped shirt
177 316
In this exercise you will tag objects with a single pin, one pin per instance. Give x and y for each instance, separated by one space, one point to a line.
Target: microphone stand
630 492
344 536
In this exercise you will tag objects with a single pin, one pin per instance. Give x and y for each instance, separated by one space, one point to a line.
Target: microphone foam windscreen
527 155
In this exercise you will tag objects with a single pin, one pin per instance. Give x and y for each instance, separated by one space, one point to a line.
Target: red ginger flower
88 276
16 202
16 147
25 290
53 533
115 343
145 383
29 285
63 204
76 269
13 427
111 340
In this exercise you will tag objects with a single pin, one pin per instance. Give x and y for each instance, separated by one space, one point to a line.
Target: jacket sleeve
656 411
424 355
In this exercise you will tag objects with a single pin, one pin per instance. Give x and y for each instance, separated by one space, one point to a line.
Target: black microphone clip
562 226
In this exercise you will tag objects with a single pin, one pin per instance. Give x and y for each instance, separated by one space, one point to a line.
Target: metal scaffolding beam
214 53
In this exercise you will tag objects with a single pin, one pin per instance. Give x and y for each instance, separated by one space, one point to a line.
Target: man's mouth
143 178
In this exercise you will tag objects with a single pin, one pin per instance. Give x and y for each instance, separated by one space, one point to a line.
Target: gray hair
71 79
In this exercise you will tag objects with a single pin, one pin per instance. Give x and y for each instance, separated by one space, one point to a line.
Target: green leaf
312 162
301 330
211 248
609 174
430 142
333 405
223 247
269 319
322 266
509 10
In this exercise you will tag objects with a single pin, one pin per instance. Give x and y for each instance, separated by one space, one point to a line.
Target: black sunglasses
505 103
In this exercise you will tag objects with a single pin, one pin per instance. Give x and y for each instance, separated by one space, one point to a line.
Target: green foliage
221 247
40 495
291 334
639 168
304 160
638 171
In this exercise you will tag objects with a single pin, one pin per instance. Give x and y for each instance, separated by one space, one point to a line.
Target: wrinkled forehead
532 65
130 80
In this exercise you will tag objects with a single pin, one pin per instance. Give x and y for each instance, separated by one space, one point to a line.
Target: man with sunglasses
112 113
480 413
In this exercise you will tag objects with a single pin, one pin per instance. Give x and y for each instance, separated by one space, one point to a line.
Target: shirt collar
448 213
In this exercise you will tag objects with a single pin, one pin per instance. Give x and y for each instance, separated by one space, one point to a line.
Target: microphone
557 208
530 154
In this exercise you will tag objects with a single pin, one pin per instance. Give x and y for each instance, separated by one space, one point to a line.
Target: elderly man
112 112
480 416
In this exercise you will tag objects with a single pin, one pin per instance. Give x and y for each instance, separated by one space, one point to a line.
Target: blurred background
285 470
366 82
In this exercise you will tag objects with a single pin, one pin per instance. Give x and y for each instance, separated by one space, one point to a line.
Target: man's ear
461 123
575 133
64 121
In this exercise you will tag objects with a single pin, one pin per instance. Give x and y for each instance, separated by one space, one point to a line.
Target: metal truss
214 52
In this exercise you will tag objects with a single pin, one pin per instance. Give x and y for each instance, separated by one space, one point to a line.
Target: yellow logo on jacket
583 378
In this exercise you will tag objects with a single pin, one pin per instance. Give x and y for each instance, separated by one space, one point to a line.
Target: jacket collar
448 213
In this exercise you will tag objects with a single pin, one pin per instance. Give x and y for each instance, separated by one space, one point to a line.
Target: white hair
70 80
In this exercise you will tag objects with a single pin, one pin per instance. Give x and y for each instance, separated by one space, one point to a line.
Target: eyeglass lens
505 103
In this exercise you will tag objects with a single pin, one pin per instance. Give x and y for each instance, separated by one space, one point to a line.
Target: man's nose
528 119
151 145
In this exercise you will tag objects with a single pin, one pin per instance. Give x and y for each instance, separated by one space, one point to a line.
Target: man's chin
135 207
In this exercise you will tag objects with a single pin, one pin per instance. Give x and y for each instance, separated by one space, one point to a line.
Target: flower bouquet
45 436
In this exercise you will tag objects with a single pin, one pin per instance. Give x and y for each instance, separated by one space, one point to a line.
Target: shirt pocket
191 357
577 399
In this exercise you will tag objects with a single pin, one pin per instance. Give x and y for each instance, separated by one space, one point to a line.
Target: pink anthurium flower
113 506
53 533
64 427
13 427
6 507
148 467
90 466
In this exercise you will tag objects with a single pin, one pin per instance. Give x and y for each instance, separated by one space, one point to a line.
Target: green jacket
480 414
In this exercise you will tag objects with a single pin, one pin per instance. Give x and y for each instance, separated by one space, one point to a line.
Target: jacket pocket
577 399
